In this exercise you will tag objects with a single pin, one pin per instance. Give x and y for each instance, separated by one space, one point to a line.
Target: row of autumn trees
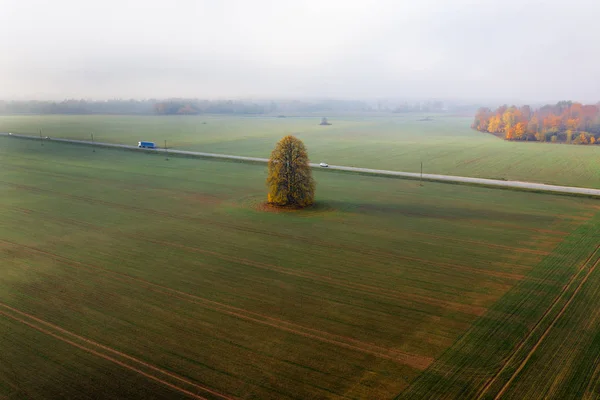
566 122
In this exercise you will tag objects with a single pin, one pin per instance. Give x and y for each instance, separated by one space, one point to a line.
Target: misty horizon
486 53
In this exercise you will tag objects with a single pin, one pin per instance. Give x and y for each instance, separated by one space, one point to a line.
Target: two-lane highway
412 175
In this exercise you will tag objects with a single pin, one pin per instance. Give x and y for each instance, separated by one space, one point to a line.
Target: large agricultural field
124 275
396 142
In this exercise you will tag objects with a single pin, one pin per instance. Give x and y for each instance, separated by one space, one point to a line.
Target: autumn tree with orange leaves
290 179
566 122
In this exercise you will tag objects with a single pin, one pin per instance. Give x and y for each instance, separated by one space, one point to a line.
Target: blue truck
146 145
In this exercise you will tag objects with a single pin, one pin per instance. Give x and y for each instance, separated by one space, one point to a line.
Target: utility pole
41 139
93 144
166 151
421 184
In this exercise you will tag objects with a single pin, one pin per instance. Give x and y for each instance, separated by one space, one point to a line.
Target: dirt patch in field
258 204
269 207
311 210
579 218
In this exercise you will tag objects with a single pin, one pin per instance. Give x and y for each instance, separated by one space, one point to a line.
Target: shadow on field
416 210
317 208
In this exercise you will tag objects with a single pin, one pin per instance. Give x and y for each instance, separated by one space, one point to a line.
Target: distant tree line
565 121
186 106
193 107
72 106
152 106
176 106
427 106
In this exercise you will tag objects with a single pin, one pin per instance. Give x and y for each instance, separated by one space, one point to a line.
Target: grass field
446 145
126 275
538 341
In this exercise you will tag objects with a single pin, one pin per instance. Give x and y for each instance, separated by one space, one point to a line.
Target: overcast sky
467 49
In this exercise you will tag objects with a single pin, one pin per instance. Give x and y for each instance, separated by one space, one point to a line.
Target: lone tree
290 179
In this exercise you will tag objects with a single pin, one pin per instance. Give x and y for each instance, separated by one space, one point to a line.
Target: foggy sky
465 49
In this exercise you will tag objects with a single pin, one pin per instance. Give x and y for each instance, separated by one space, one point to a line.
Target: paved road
413 175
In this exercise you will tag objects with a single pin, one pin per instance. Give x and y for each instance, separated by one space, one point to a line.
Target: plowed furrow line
416 361
376 290
146 211
423 261
112 351
133 187
335 282
524 341
483 244
546 332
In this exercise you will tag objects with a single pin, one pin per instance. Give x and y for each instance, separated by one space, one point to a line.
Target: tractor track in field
454 267
546 331
415 361
307 275
491 223
220 256
478 372
593 380
321 243
328 245
374 290
335 282
112 351
412 360
129 187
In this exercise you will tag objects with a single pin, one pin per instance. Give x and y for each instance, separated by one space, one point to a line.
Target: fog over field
291 199
512 50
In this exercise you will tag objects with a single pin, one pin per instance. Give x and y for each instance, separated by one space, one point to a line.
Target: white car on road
323 164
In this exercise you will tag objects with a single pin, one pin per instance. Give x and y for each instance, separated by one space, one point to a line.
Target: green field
127 275
446 145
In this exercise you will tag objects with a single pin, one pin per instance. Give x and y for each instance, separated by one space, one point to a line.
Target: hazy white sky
470 49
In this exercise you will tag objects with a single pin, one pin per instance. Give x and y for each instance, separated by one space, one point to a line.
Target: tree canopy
290 179
564 122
